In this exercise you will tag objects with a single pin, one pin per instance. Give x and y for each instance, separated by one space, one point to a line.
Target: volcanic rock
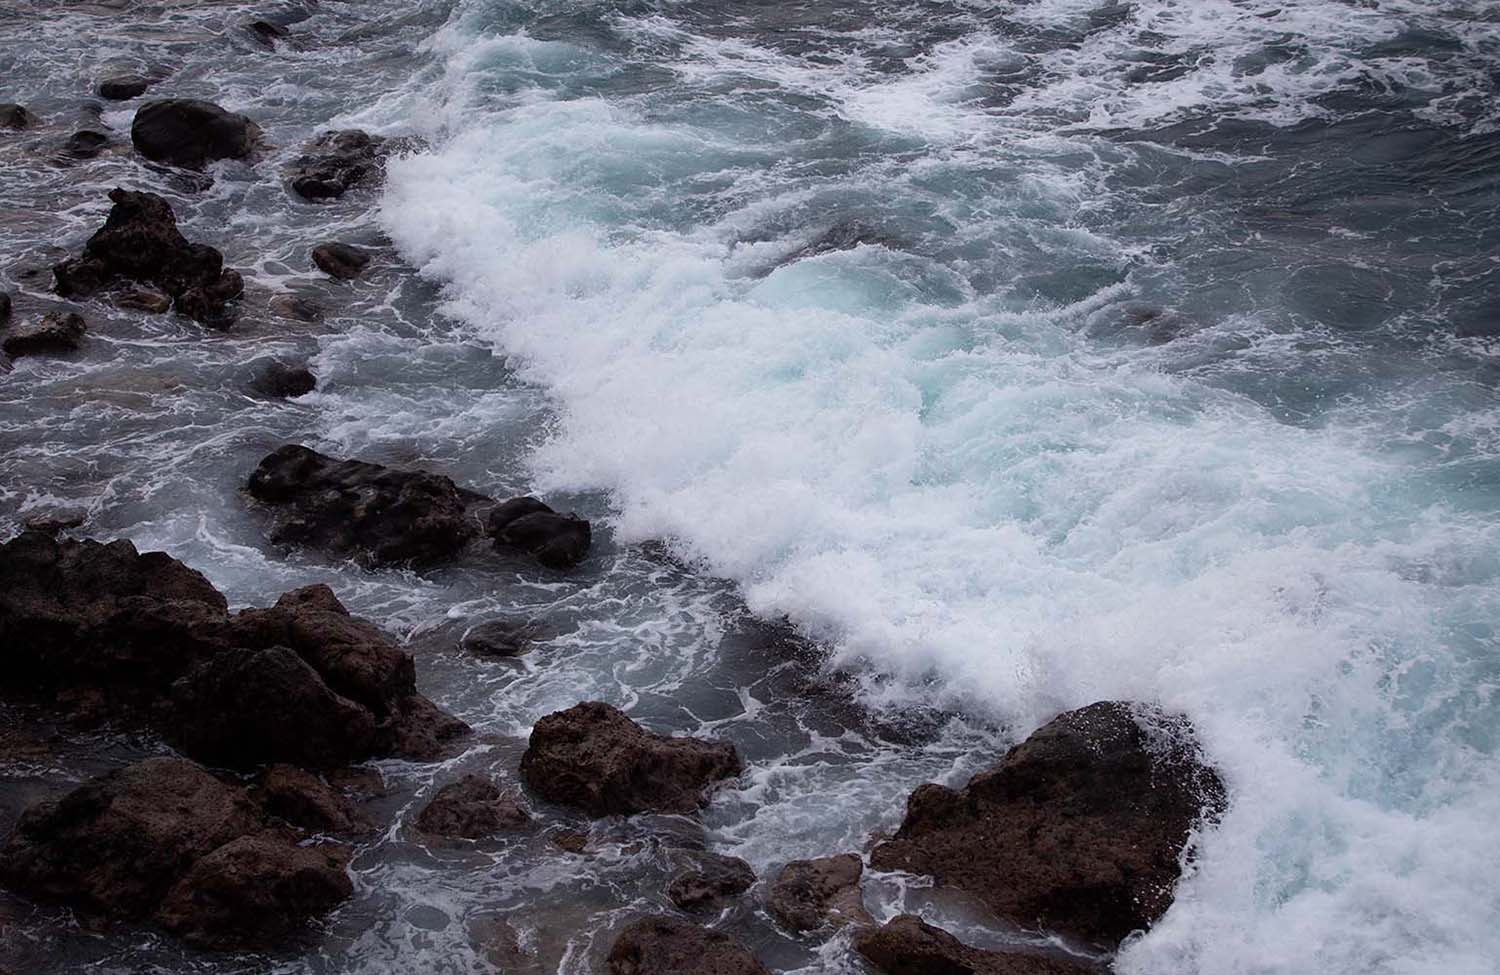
595 758
473 807
141 299
336 161
909 946
557 541
378 515
710 882
190 133
56 332
123 87
1080 829
85 144
343 261
668 946
279 380
807 893
303 799
498 638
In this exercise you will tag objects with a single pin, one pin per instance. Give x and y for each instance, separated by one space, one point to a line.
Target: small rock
498 638
123 87
595 758
669 946
343 261
191 133
54 520
712 880
85 144
289 306
265 33
138 299
5 307
472 808
335 162
54 333
807 893
302 799
570 841
555 540
910 946
13 116
283 381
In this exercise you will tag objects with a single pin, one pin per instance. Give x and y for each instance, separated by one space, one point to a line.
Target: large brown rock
376 514
595 758
191 133
1080 829
909 946
808 893
472 808
140 242
305 800
668 946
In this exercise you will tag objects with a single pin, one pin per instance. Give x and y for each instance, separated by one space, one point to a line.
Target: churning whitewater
1030 354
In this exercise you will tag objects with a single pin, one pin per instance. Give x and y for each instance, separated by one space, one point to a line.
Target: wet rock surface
499 638
711 882
140 242
376 514
806 894
123 87
907 945
472 808
335 162
556 540
305 800
13 116
342 261
191 133
1080 828
56 333
669 946
593 757
281 380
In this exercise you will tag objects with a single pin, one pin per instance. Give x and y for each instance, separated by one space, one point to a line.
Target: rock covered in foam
907 945
1080 829
669 946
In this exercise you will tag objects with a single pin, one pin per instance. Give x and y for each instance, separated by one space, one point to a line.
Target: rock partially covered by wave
166 841
140 242
191 133
595 758
1080 829
148 637
335 162
378 515
712 881
556 540
53 333
669 946
808 893
910 946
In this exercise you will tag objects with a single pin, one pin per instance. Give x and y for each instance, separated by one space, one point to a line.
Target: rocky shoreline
242 834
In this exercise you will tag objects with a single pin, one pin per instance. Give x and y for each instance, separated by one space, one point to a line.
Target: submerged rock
712 880
335 162
54 333
123 87
141 299
85 144
342 261
668 946
140 242
265 33
283 381
808 893
472 808
910 946
13 116
376 514
1080 829
595 758
290 306
191 133
499 638
557 541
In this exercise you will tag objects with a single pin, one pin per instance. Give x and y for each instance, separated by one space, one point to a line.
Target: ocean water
929 367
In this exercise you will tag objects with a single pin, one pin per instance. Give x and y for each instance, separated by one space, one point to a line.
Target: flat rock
342 261
556 540
472 808
377 515
712 881
499 638
55 333
806 894
191 133
335 162
595 758
1080 829
907 945
142 299
669 946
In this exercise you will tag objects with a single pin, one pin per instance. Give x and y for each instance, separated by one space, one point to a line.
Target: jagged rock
909 946
13 116
123 87
334 162
710 882
557 541
140 242
302 799
279 380
1080 829
668 946
343 261
808 893
473 808
55 333
191 133
592 756
378 515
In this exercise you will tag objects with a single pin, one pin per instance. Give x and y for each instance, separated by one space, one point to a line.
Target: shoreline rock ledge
1079 830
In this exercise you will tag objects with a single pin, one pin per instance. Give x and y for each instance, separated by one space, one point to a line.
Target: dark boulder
472 808
668 946
595 758
305 800
254 890
378 515
5 307
335 162
557 541
123 87
499 638
808 893
140 242
910 946
281 381
13 116
54 333
712 880
85 144
343 261
190 133
1080 829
